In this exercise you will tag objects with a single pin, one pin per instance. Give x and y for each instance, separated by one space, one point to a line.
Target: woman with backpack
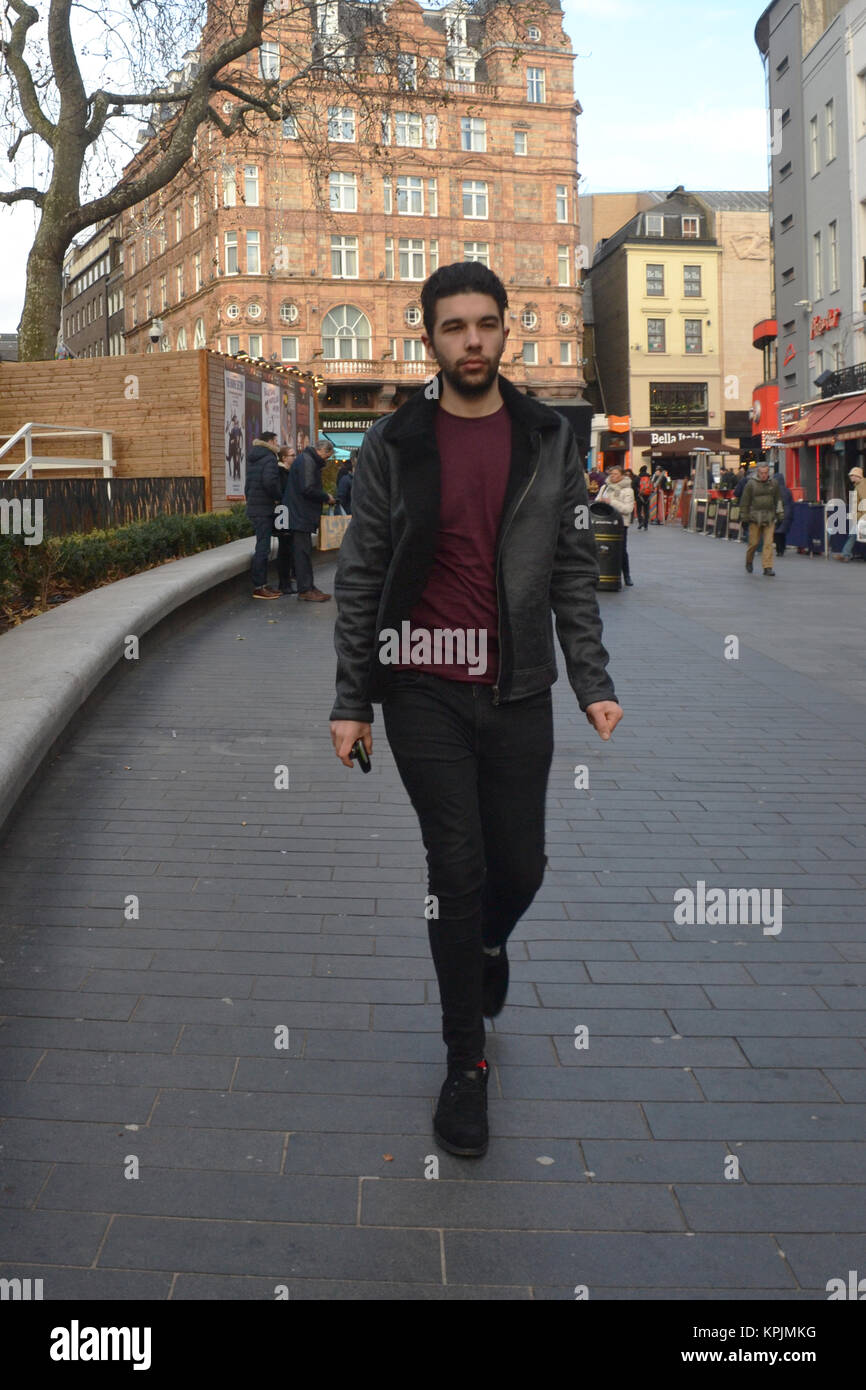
644 494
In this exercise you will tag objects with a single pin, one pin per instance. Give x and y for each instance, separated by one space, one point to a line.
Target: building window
565 354
411 253
199 340
196 210
655 224
344 257
344 192
691 226
233 344
563 319
474 198
269 61
341 124
289 349
655 335
535 84
830 129
562 202
563 263
255 345
477 251
530 354
817 268
785 171
389 258
814 148
788 275
520 142
387 199
251 185
231 247
178 224
431 131
464 71
410 195
133 309
533 33
148 308
196 265
346 334
432 198
407 72
694 335
473 133
529 320
178 281
655 280
289 313
679 403
385 120
233 311
413 316
434 255
782 67
834 257
230 189
408 129
432 67
254 255
290 128
254 310
692 288
413 350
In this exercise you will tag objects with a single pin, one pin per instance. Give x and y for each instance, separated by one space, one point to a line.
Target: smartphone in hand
360 752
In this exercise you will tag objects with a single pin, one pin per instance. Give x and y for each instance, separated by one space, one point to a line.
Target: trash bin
607 526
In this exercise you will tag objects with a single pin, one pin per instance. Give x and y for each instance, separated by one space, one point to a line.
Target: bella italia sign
690 439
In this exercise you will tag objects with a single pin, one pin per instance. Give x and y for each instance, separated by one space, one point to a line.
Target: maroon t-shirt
460 595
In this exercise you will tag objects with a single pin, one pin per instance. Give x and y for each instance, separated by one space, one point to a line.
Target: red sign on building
823 325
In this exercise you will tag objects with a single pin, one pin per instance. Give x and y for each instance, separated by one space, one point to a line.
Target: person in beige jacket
618 493
858 486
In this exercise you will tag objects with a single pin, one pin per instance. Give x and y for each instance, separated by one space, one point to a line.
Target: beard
476 384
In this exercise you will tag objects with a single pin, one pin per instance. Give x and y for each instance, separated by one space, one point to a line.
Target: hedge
79 562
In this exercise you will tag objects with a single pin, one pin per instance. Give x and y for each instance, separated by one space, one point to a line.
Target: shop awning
344 441
846 414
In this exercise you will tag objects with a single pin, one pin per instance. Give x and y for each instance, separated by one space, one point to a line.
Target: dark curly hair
463 277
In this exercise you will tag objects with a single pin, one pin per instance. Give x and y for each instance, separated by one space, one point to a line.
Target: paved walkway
150 1046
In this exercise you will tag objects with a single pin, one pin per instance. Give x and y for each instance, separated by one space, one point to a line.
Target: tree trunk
40 318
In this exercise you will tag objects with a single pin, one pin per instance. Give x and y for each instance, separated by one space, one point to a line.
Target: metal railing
848 379
27 433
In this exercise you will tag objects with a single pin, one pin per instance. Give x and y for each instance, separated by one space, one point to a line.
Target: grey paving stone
69 1141
407 1156
339 988
73 1101
41 1003
199 1287
67 1285
769 1023
330 1078
20 1180
238 1110
598 1083
648 1161
727 1083
624 997
551 1206
277 1250
818 1258
660 1051
755 1121
735 1206
16 1063
87 1034
51 1237
262 1013
136 1069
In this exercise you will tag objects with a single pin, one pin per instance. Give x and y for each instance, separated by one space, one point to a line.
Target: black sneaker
460 1123
495 986
749 567
770 574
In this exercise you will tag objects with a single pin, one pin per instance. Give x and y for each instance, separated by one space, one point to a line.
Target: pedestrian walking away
304 497
783 525
858 520
643 497
617 491
761 508
262 493
285 564
464 512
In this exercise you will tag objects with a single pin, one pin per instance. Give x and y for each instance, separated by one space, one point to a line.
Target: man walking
760 508
304 497
262 493
469 523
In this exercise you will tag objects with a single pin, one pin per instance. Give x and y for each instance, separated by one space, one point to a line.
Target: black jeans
302 558
263 526
285 565
626 572
476 774
643 505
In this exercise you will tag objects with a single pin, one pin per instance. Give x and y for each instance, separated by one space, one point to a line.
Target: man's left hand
604 716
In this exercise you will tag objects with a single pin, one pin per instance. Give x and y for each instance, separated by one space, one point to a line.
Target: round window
529 319
233 311
289 312
254 311
563 320
413 316
534 33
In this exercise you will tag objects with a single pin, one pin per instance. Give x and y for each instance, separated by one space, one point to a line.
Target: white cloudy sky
672 92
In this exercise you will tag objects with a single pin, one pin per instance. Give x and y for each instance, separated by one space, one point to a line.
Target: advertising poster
271 408
234 433
288 419
254 424
303 432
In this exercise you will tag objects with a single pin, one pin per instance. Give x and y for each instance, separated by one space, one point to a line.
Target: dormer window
533 33
655 224
691 226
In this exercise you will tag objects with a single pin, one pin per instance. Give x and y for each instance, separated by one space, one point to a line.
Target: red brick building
471 155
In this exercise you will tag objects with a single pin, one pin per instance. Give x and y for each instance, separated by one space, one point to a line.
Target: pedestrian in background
642 498
761 508
661 485
285 565
345 478
304 496
617 491
858 484
262 493
783 525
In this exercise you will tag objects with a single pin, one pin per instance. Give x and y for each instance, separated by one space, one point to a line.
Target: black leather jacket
544 561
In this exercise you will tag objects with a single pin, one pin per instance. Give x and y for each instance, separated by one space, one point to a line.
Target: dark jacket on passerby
728 480
303 493
787 496
262 486
761 502
344 491
546 558
741 483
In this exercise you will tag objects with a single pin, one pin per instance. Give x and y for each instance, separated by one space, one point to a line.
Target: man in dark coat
780 535
262 492
304 496
761 509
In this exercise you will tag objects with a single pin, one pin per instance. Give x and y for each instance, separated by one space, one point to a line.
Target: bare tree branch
32 195
13 52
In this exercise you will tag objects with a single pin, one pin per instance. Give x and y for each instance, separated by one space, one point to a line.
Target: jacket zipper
537 443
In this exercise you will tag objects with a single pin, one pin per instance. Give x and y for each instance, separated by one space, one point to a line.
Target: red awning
813 423
846 414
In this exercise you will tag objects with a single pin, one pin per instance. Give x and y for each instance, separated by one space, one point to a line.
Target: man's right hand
345 734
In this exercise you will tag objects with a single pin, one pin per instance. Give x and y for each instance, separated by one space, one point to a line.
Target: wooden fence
96 504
